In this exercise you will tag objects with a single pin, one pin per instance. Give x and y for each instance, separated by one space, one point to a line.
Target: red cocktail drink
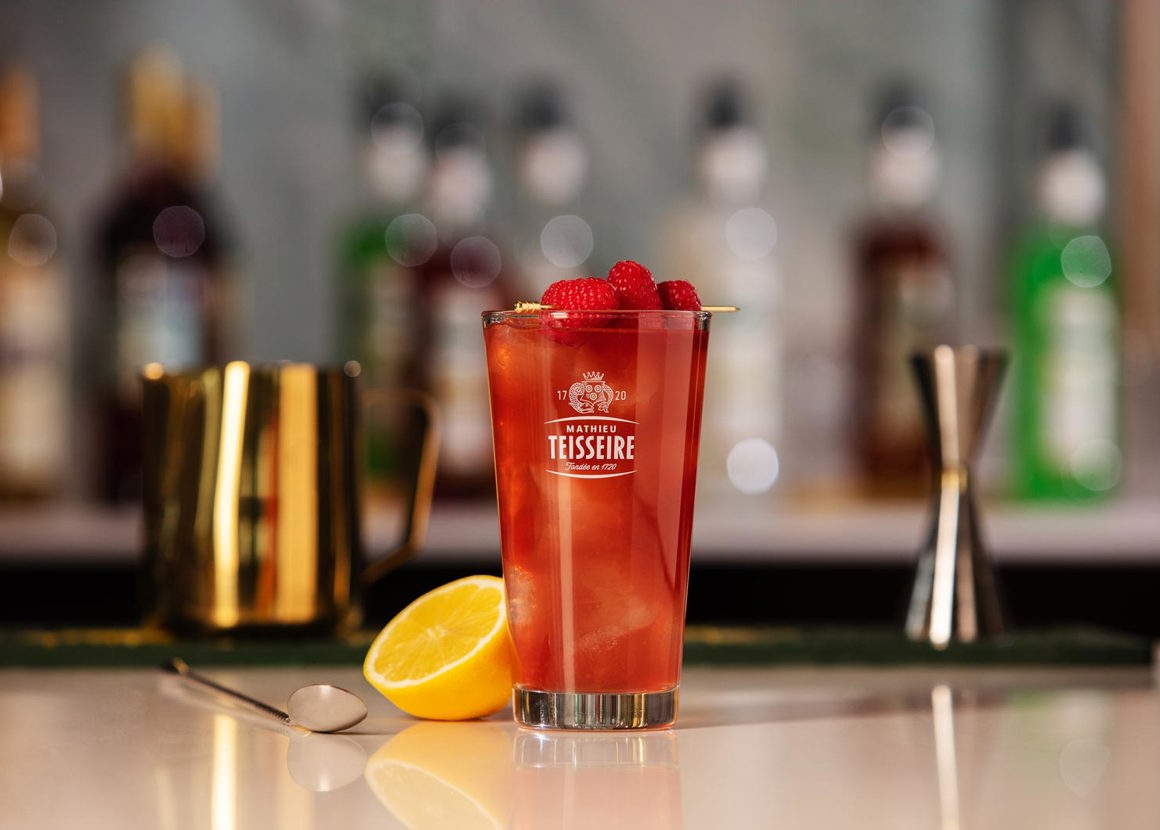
596 419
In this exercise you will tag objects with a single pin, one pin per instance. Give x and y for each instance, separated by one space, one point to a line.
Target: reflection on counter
620 782
438 775
323 763
433 776
759 747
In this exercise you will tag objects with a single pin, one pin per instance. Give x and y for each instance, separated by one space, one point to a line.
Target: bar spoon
317 708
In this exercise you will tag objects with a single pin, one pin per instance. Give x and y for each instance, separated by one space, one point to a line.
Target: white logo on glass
590 445
591 394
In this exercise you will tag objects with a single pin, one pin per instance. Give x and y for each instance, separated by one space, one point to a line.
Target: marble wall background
286 71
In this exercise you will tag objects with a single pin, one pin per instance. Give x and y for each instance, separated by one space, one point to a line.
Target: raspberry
634 285
583 294
679 295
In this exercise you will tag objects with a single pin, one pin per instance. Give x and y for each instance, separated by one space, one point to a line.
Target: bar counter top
754 747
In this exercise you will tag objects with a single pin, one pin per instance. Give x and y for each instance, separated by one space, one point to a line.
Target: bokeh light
908 131
179 231
566 241
32 240
412 239
476 261
752 466
751 233
1097 464
1086 262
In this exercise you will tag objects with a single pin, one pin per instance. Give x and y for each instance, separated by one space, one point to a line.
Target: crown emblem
591 394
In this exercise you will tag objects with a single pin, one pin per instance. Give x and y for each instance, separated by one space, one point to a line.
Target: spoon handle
179 667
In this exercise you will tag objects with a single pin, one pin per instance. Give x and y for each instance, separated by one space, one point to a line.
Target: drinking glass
596 418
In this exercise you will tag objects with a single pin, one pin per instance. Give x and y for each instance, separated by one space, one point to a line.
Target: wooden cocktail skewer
522 307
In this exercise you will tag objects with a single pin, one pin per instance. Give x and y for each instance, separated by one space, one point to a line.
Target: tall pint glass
596 419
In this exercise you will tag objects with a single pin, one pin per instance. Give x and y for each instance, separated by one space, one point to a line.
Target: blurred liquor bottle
1065 440
160 254
33 308
723 240
381 248
552 240
466 275
904 297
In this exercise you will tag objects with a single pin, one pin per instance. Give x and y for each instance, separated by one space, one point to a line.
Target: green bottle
1065 439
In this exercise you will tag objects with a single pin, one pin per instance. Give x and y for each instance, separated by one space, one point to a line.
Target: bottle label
921 296
33 405
744 384
459 378
391 326
592 443
1079 375
159 317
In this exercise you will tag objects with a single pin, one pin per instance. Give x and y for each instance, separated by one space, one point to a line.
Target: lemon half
447 655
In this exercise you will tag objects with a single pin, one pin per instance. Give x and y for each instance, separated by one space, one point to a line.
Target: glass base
594 710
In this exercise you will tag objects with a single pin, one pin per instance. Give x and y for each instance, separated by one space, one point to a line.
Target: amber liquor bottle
904 300
160 258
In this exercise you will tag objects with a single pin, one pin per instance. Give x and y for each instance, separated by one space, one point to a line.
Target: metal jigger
954 594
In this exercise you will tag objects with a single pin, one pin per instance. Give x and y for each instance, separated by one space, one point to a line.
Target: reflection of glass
596 421
223 797
942 709
609 781
445 775
237 796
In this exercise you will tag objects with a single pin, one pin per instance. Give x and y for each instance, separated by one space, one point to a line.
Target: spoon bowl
317 708
325 708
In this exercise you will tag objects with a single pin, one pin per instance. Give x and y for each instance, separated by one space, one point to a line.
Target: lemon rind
484 582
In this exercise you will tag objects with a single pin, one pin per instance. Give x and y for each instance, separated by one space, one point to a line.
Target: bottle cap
458 124
731 163
387 100
1065 128
460 185
1071 185
900 107
725 106
542 108
904 161
196 141
552 162
18 116
154 93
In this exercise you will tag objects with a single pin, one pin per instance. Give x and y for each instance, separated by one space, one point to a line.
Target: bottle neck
552 167
732 166
904 180
1071 189
395 164
459 191
21 183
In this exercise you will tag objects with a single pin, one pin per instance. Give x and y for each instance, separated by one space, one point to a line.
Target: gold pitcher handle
419 484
